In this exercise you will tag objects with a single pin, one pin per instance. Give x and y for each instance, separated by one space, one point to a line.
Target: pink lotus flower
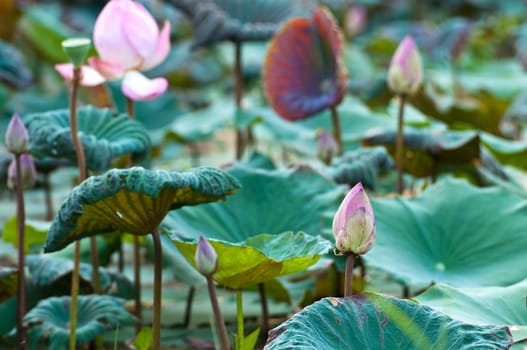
128 41
354 223
405 74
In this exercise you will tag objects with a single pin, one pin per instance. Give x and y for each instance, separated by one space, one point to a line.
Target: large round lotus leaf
104 135
133 200
504 306
450 233
236 20
96 314
270 201
8 283
261 258
304 71
373 321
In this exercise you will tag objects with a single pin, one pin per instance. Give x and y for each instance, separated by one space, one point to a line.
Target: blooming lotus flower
128 41
29 173
16 136
206 257
354 223
405 74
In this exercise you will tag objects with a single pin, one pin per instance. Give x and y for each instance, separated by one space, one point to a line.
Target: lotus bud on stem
353 230
405 76
207 264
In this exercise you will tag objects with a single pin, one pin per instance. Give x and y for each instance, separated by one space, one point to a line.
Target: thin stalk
74 296
239 318
130 110
188 307
348 287
337 133
220 324
47 197
238 95
20 220
156 324
265 310
400 145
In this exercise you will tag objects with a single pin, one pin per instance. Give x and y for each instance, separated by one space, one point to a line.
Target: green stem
130 110
220 324
47 197
188 307
156 324
20 220
399 146
74 296
239 317
265 311
348 287
337 133
238 95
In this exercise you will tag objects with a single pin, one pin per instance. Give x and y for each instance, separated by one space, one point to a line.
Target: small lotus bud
355 20
354 223
206 257
77 50
405 74
29 173
16 137
327 147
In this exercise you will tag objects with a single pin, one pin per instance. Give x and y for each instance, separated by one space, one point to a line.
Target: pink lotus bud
127 35
405 74
16 136
206 257
327 147
29 173
354 223
355 20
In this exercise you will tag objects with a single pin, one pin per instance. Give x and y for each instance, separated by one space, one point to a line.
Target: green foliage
8 283
143 340
374 321
13 68
35 234
96 314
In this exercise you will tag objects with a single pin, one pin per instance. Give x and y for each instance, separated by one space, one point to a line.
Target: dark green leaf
8 283
13 69
373 321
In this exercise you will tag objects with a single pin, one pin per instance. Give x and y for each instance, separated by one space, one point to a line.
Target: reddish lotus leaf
304 71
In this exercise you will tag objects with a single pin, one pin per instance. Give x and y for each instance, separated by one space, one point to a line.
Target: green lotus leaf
506 151
449 234
430 151
374 321
176 262
261 258
290 200
236 20
132 200
13 68
482 305
361 165
35 233
96 314
104 134
8 283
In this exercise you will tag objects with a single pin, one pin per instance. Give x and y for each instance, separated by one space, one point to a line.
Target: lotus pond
263 174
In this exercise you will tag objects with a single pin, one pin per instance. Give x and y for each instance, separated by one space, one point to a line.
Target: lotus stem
47 197
130 110
238 95
400 145
350 262
20 220
74 296
239 317
188 307
156 325
265 310
218 318
337 133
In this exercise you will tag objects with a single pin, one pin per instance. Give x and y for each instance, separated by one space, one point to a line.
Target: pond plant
259 252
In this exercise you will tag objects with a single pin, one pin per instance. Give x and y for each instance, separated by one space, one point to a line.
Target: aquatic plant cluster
265 174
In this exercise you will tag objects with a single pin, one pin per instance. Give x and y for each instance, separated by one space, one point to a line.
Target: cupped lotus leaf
361 165
104 134
374 321
236 20
261 258
133 200
483 305
290 199
449 234
96 314
429 151
304 71
13 69
8 283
